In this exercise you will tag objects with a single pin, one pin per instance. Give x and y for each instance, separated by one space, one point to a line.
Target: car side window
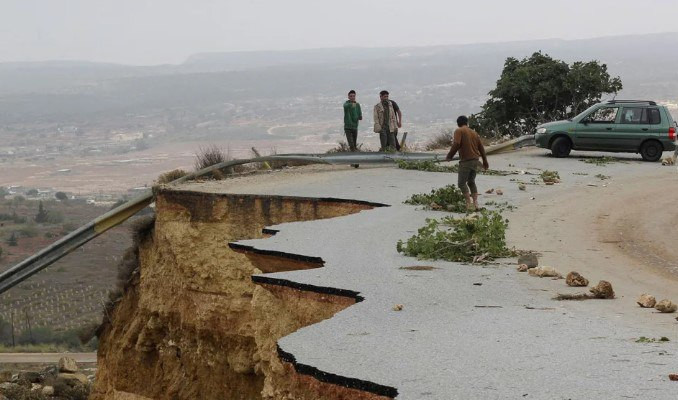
653 116
634 115
604 115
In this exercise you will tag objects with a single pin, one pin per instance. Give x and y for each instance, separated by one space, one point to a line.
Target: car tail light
672 133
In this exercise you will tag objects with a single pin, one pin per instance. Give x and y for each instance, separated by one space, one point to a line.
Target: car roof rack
650 102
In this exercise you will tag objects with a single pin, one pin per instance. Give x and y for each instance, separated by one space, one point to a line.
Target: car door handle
644 129
609 129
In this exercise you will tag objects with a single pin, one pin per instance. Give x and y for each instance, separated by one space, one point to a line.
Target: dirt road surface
46 358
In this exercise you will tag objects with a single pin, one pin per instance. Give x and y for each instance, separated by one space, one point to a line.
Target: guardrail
50 254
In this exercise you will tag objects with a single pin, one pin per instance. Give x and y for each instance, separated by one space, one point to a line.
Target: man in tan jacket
387 120
467 142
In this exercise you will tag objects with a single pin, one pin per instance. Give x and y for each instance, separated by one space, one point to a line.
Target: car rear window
654 117
641 115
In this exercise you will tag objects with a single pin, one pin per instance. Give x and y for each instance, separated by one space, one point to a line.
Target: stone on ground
67 364
30 376
603 290
529 259
72 379
576 280
48 391
666 306
522 267
646 301
544 272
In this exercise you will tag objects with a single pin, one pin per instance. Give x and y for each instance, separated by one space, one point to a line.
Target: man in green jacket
352 114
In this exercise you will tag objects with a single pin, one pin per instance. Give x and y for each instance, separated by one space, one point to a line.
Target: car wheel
561 147
651 150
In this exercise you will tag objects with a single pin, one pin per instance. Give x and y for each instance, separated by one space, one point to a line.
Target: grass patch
419 268
602 177
479 237
500 205
428 166
343 147
432 166
448 198
644 339
600 161
550 176
36 348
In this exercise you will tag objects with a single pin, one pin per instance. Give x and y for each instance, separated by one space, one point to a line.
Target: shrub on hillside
208 156
442 140
171 176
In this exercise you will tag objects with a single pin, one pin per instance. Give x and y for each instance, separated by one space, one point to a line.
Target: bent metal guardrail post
50 254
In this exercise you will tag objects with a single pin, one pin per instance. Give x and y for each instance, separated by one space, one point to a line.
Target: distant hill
433 82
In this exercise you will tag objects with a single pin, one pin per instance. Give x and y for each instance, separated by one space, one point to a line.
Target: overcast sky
167 31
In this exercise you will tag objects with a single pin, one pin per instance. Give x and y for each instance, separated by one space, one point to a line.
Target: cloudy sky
167 31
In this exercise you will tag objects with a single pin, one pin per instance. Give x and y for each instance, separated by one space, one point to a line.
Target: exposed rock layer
194 325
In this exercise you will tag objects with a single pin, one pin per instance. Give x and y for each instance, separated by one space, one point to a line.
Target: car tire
651 150
561 147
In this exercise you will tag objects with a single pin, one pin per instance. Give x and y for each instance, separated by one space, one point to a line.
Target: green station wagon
630 126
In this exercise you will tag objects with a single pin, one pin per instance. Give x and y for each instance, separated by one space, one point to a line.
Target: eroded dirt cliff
194 325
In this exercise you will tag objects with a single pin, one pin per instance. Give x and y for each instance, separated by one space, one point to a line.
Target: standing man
387 120
352 114
467 141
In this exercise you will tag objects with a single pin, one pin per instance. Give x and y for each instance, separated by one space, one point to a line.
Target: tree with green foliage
61 196
32 192
12 241
42 215
1 252
539 89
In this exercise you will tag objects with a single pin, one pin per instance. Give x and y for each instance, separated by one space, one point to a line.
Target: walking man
387 120
467 142
352 114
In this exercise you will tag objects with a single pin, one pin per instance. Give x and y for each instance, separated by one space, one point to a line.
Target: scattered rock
71 379
544 271
522 267
529 259
549 183
522 186
67 364
36 387
499 192
5 376
666 306
8 386
30 376
576 280
489 191
398 307
48 391
646 301
673 377
603 290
